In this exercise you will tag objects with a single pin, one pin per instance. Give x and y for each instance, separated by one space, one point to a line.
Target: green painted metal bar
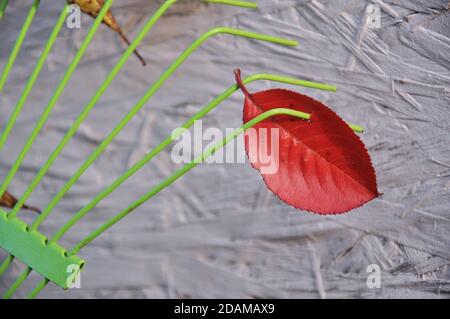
33 78
155 87
86 111
178 174
3 5
18 44
32 248
55 97
158 149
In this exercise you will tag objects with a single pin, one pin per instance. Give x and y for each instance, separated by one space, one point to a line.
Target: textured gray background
218 232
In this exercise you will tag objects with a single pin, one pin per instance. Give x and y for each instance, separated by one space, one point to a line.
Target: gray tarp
218 232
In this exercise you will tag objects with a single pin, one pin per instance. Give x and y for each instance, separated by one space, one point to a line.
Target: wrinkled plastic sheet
218 232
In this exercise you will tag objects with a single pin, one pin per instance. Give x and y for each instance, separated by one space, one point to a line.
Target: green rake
41 253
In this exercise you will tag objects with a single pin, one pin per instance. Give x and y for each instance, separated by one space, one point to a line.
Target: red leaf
323 166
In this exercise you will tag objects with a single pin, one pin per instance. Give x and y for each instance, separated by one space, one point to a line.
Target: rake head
43 254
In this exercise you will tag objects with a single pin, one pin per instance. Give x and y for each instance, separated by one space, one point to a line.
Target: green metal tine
35 292
178 174
3 5
243 4
33 78
19 41
55 97
16 284
6 264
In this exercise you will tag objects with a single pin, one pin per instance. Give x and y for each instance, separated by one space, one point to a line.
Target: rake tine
19 281
3 5
41 285
4 266
46 114
33 78
19 42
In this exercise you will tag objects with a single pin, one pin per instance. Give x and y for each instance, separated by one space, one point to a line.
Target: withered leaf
93 8
9 201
